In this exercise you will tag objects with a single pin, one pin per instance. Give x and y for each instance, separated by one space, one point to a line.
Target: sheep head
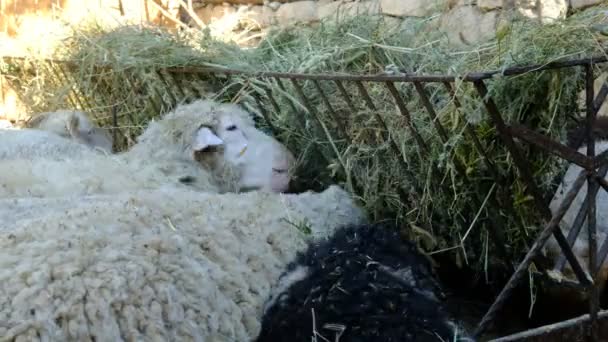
88 134
230 144
72 125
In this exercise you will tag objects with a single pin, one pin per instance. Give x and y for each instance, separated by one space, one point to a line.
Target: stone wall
464 21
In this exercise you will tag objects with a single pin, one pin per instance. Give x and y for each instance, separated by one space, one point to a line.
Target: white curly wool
163 265
74 125
34 143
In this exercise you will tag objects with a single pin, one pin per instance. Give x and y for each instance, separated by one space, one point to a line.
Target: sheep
225 138
34 143
168 264
204 145
551 249
74 125
362 284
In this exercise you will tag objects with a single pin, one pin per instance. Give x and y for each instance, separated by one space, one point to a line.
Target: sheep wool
75 125
33 143
158 265
179 126
362 284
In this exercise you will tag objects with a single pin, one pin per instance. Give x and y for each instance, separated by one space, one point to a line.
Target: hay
445 213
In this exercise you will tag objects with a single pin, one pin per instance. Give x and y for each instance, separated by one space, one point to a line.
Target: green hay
444 212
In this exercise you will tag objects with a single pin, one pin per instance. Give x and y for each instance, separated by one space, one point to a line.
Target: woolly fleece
366 279
33 143
163 265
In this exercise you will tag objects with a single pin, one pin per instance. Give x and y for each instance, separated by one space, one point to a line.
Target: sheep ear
73 126
205 138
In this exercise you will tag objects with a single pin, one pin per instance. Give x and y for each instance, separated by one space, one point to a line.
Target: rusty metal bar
550 146
553 332
601 255
311 109
186 84
265 113
173 83
130 85
370 105
330 108
345 95
272 100
550 228
368 100
173 99
471 134
154 100
591 213
601 97
115 129
201 77
192 86
523 266
540 204
293 107
601 160
404 111
597 104
580 219
474 76
431 111
67 80
497 236
477 144
521 164
58 79
406 114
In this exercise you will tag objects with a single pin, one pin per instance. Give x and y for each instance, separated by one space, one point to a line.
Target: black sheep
363 284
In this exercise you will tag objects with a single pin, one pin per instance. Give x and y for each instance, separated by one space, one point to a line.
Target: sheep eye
278 170
231 128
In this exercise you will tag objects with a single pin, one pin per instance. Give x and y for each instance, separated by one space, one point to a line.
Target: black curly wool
365 280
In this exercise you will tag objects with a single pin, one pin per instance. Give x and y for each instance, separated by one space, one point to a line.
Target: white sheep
73 125
205 145
225 137
164 265
363 284
34 143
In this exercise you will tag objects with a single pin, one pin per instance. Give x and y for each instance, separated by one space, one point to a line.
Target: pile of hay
125 69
